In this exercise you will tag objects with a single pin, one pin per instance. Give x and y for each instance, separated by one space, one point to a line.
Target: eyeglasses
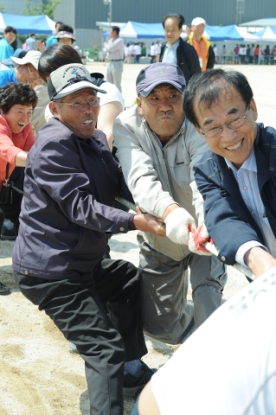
237 122
78 106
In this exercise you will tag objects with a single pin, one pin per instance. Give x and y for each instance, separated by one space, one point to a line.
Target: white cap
197 21
32 57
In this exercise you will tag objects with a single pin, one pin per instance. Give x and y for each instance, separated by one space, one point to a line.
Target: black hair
55 56
13 94
207 87
179 17
58 23
66 28
9 29
116 29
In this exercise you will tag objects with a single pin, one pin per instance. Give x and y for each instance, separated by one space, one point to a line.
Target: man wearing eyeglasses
237 178
71 181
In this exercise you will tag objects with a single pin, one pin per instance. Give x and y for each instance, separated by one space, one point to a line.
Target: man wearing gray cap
157 148
202 45
71 181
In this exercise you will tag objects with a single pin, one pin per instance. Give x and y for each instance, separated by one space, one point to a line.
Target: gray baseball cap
159 73
68 79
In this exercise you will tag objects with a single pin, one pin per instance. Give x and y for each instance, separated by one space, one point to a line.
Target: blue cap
19 53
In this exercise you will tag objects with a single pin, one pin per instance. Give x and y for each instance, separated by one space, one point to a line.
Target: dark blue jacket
187 59
70 186
227 218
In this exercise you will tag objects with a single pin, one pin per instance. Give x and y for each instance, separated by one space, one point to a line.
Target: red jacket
11 144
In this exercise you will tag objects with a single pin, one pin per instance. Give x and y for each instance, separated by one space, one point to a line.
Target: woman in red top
17 102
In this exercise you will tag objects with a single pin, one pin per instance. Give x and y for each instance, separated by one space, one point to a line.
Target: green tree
47 7
3 9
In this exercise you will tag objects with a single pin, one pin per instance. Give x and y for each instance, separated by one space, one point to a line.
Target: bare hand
148 223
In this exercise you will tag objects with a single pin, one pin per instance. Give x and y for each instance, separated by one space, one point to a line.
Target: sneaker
7 234
4 290
134 384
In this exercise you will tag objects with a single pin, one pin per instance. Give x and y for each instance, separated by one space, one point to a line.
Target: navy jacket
187 59
69 189
227 218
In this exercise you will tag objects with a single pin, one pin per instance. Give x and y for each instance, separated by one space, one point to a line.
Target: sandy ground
38 375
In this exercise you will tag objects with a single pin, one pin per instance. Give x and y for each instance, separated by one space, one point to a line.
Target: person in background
52 39
111 102
115 49
137 51
65 35
216 52
267 55
223 54
152 52
202 46
71 181
256 54
251 55
17 102
6 50
31 42
26 70
19 53
157 149
157 51
176 50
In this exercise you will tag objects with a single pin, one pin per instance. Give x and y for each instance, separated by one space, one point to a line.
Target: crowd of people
193 160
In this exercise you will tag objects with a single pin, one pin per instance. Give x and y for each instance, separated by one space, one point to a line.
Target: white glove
178 223
198 239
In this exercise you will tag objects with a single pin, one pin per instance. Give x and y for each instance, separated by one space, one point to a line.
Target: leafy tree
3 9
47 7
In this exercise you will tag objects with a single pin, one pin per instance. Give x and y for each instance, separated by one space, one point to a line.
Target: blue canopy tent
134 30
221 33
27 24
268 34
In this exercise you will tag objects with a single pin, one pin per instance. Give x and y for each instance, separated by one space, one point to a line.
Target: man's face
198 30
10 37
113 33
234 145
28 73
172 31
65 41
18 117
82 122
163 111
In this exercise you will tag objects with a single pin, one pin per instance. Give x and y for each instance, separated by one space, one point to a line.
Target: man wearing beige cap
25 70
202 46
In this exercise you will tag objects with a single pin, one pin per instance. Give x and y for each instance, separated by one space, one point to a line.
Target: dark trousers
12 211
91 311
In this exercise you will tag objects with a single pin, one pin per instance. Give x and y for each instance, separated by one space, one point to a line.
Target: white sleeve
228 366
112 94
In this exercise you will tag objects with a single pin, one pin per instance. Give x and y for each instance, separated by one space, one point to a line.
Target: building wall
216 12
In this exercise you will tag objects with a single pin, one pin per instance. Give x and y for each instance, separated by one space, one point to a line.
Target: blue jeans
135 409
